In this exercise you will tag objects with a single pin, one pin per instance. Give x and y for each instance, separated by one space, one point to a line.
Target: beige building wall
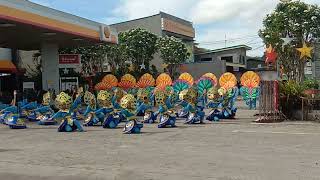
200 68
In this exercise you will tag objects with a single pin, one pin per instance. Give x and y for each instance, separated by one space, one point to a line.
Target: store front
28 26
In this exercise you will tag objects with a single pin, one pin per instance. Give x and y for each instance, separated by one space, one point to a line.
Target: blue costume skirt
196 117
132 127
167 121
111 121
214 115
183 113
92 120
66 126
149 117
15 122
46 120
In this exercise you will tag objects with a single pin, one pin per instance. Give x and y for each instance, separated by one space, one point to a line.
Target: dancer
196 114
67 112
145 105
11 116
128 105
167 116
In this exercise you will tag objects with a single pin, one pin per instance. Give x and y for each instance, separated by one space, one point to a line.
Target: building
316 62
29 26
163 24
218 61
254 63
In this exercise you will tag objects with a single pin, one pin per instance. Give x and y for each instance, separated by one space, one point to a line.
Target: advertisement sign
108 34
178 28
69 61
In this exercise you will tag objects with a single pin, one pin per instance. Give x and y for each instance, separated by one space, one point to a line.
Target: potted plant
311 88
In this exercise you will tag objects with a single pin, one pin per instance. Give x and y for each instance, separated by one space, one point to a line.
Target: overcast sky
237 20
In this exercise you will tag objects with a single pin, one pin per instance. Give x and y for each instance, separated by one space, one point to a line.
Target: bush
311 84
290 93
291 89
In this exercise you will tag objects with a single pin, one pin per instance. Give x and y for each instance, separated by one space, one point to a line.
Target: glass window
228 59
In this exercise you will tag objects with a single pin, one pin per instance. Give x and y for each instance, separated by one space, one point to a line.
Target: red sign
69 59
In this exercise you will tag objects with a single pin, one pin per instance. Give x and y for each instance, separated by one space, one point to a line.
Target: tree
92 57
297 20
139 46
174 52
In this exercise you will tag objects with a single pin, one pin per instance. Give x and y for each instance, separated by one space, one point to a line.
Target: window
206 59
242 60
228 59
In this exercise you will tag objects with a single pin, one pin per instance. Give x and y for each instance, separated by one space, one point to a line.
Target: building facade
230 59
163 24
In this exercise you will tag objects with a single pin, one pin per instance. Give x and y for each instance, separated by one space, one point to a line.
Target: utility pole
225 40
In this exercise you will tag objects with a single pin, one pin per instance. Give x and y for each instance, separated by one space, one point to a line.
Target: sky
236 21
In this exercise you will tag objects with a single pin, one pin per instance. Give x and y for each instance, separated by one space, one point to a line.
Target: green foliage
139 45
300 21
173 51
291 89
311 84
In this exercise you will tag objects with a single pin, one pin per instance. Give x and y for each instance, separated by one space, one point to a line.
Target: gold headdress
89 99
80 92
160 98
182 94
128 102
191 96
104 98
46 99
143 95
212 93
63 101
119 93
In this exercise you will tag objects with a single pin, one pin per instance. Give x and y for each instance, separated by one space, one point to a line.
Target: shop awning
6 66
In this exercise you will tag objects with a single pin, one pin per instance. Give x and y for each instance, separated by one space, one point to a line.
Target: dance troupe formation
149 100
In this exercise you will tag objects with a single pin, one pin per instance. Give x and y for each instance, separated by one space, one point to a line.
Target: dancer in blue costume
145 105
182 112
165 110
118 93
27 109
6 112
67 112
96 116
214 103
11 117
89 114
228 109
196 114
128 105
3 106
43 112
111 116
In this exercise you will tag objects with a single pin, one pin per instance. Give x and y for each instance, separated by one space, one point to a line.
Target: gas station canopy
26 26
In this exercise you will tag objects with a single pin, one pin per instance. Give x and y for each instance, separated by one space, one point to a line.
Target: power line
231 39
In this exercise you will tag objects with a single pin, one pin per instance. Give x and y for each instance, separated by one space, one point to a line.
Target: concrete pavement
229 150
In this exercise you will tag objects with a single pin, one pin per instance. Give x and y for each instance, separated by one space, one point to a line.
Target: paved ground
229 150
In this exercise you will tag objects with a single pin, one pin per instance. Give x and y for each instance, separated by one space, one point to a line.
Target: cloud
133 9
213 19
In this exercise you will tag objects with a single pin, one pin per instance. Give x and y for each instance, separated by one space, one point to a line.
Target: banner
69 59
